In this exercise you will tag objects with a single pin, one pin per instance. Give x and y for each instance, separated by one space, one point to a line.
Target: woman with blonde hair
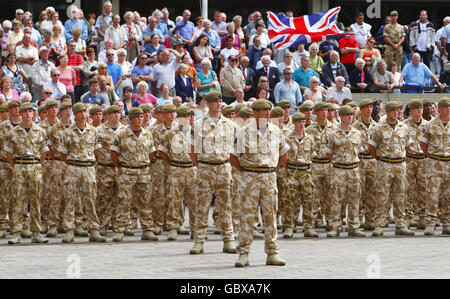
134 36
58 41
7 90
315 59
80 45
263 83
315 92
103 71
53 19
126 70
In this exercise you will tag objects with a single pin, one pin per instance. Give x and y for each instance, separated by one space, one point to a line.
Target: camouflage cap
227 109
320 105
345 110
213 96
426 101
261 104
168 108
113 109
276 112
50 104
158 109
26 106
65 105
365 102
330 106
391 106
95 109
136 111
4 107
78 107
284 104
238 107
145 107
183 111
105 111
245 112
298 116
305 107
415 103
42 108
352 104
14 103
444 102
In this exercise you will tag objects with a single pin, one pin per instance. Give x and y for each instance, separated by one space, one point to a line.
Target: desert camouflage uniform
299 187
213 142
80 181
395 33
26 148
436 135
258 155
160 173
134 180
181 180
345 178
286 129
416 169
321 169
391 170
367 172
106 176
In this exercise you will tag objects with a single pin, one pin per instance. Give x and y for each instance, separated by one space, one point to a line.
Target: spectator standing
333 69
126 70
164 71
150 30
128 102
439 50
27 55
185 28
265 40
68 77
206 78
214 42
361 30
7 26
231 78
53 20
59 42
165 19
227 51
315 59
154 47
288 63
304 73
348 46
80 45
243 34
368 52
92 40
299 53
74 22
202 50
421 37
325 49
230 32
7 90
142 72
315 92
103 71
114 70
15 72
93 97
198 28
218 25
249 76
106 91
255 53
90 68
41 72
14 36
103 22
117 34
58 89
75 61
35 35
394 36
288 90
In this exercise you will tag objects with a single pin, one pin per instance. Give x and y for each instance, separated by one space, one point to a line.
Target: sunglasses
233 60
109 54
47 92
264 81
56 75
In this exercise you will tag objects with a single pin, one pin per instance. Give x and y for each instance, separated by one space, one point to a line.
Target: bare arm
115 158
424 147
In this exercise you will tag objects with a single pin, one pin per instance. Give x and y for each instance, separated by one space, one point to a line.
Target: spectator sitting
332 69
126 70
202 50
299 53
41 72
230 32
261 93
239 96
15 72
192 72
338 92
227 51
249 75
207 78
266 52
58 89
315 92
231 78
265 40
93 97
177 101
288 63
46 94
165 70
255 53
325 49
315 59
103 71
154 46
368 51
165 96
288 90
35 35
185 28
382 78
360 78
271 73
80 45
142 95
304 73
348 46
7 90
415 73
128 102
183 84
14 36
202 109
107 91
116 33
90 67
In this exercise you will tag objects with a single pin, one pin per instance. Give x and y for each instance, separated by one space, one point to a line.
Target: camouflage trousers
392 55
106 200
133 185
80 185
345 184
438 178
281 181
159 200
298 189
54 191
321 179
390 183
416 170
181 184
367 172
6 174
259 188
213 179
27 189
236 198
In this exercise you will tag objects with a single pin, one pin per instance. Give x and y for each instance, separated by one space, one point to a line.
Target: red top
76 60
349 43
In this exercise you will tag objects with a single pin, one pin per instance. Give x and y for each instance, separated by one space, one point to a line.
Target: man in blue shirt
416 72
142 72
150 30
288 90
114 70
304 73
185 28
93 97
255 53
75 23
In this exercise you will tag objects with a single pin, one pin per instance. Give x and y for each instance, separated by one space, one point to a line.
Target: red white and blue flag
287 32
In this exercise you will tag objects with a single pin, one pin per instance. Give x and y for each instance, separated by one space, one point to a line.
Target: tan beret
284 104
444 102
145 107
298 116
305 107
78 107
227 109
136 111
50 104
276 112
42 108
238 107
95 109
168 108
183 110
4 107
415 103
345 110
113 109
158 109
365 102
391 106
320 105
352 104
261 104
213 96
26 106
14 103
65 105
245 112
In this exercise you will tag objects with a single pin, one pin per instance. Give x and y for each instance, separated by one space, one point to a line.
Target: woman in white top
228 51
53 20
126 69
265 40
315 92
80 45
134 36
397 76
58 41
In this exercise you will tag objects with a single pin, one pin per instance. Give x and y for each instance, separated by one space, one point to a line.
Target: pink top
15 95
149 99
66 79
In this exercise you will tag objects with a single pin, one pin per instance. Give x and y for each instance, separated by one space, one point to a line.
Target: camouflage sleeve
329 149
164 146
44 144
423 134
65 143
115 146
374 137
9 145
97 142
152 144
284 147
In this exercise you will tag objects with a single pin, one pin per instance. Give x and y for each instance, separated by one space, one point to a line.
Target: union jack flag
286 32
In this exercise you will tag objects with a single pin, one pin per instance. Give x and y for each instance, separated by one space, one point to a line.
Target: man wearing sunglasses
57 88
231 78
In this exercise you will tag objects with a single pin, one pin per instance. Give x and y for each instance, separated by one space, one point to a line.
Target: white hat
7 24
43 48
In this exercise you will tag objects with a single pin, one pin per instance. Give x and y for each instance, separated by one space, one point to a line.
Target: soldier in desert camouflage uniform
434 140
77 147
26 146
175 150
388 143
132 152
394 36
344 145
259 151
96 115
299 187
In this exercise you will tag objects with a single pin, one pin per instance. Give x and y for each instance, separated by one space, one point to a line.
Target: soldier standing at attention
394 36
367 165
147 109
214 138
299 183
106 170
57 202
321 167
131 152
307 110
26 146
260 149
388 143
416 167
344 145
77 147
175 151
435 143
96 116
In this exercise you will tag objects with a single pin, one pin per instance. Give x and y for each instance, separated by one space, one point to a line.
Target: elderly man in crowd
338 92
333 69
41 72
58 89
231 78
74 22
117 33
415 73
303 74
